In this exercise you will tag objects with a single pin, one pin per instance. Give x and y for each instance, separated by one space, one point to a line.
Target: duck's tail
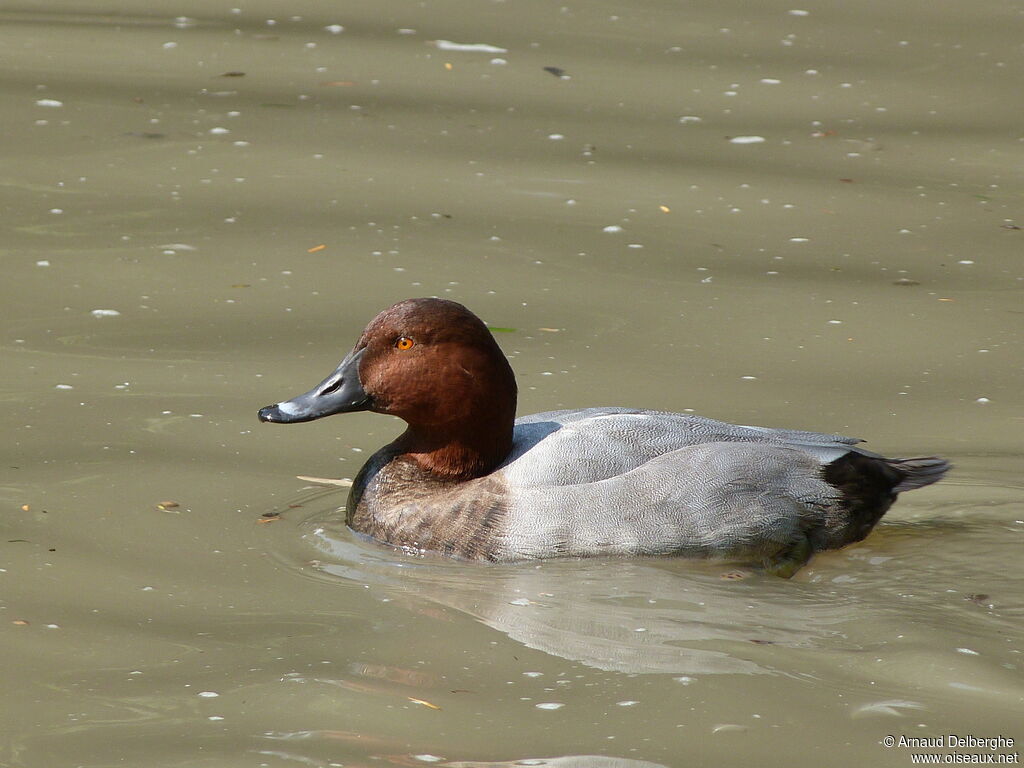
918 472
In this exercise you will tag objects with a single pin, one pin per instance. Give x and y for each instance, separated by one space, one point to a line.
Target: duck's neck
459 452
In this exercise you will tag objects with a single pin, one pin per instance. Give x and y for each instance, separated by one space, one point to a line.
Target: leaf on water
269 517
338 83
20 622
497 329
232 74
422 702
316 248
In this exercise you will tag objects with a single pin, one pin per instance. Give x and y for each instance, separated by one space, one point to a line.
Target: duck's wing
736 500
591 444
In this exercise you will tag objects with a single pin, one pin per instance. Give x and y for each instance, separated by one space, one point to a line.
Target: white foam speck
208 694
334 29
549 705
49 103
448 45
612 228
63 386
798 12
747 140
104 313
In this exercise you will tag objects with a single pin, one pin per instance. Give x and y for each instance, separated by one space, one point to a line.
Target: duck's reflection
656 615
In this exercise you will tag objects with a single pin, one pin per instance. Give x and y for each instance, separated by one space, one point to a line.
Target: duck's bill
341 392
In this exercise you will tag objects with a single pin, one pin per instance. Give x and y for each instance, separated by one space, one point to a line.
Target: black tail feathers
918 472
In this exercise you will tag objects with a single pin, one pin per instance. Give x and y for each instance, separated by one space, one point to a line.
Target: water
856 271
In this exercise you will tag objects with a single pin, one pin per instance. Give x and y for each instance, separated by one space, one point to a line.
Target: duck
467 479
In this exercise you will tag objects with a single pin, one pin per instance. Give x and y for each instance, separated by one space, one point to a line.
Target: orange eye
404 343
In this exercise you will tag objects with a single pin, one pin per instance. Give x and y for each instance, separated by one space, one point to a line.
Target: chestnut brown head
431 362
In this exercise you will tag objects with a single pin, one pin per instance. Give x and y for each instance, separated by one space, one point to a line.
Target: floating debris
448 45
423 703
343 482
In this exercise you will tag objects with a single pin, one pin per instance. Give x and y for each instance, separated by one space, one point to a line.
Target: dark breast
396 502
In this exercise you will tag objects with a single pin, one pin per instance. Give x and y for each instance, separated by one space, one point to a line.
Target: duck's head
432 363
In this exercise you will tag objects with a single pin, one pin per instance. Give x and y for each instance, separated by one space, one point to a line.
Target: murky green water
245 184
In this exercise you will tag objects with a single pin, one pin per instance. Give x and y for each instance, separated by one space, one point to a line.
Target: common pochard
468 479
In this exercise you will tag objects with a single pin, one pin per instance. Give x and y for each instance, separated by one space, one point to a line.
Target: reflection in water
568 761
639 615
